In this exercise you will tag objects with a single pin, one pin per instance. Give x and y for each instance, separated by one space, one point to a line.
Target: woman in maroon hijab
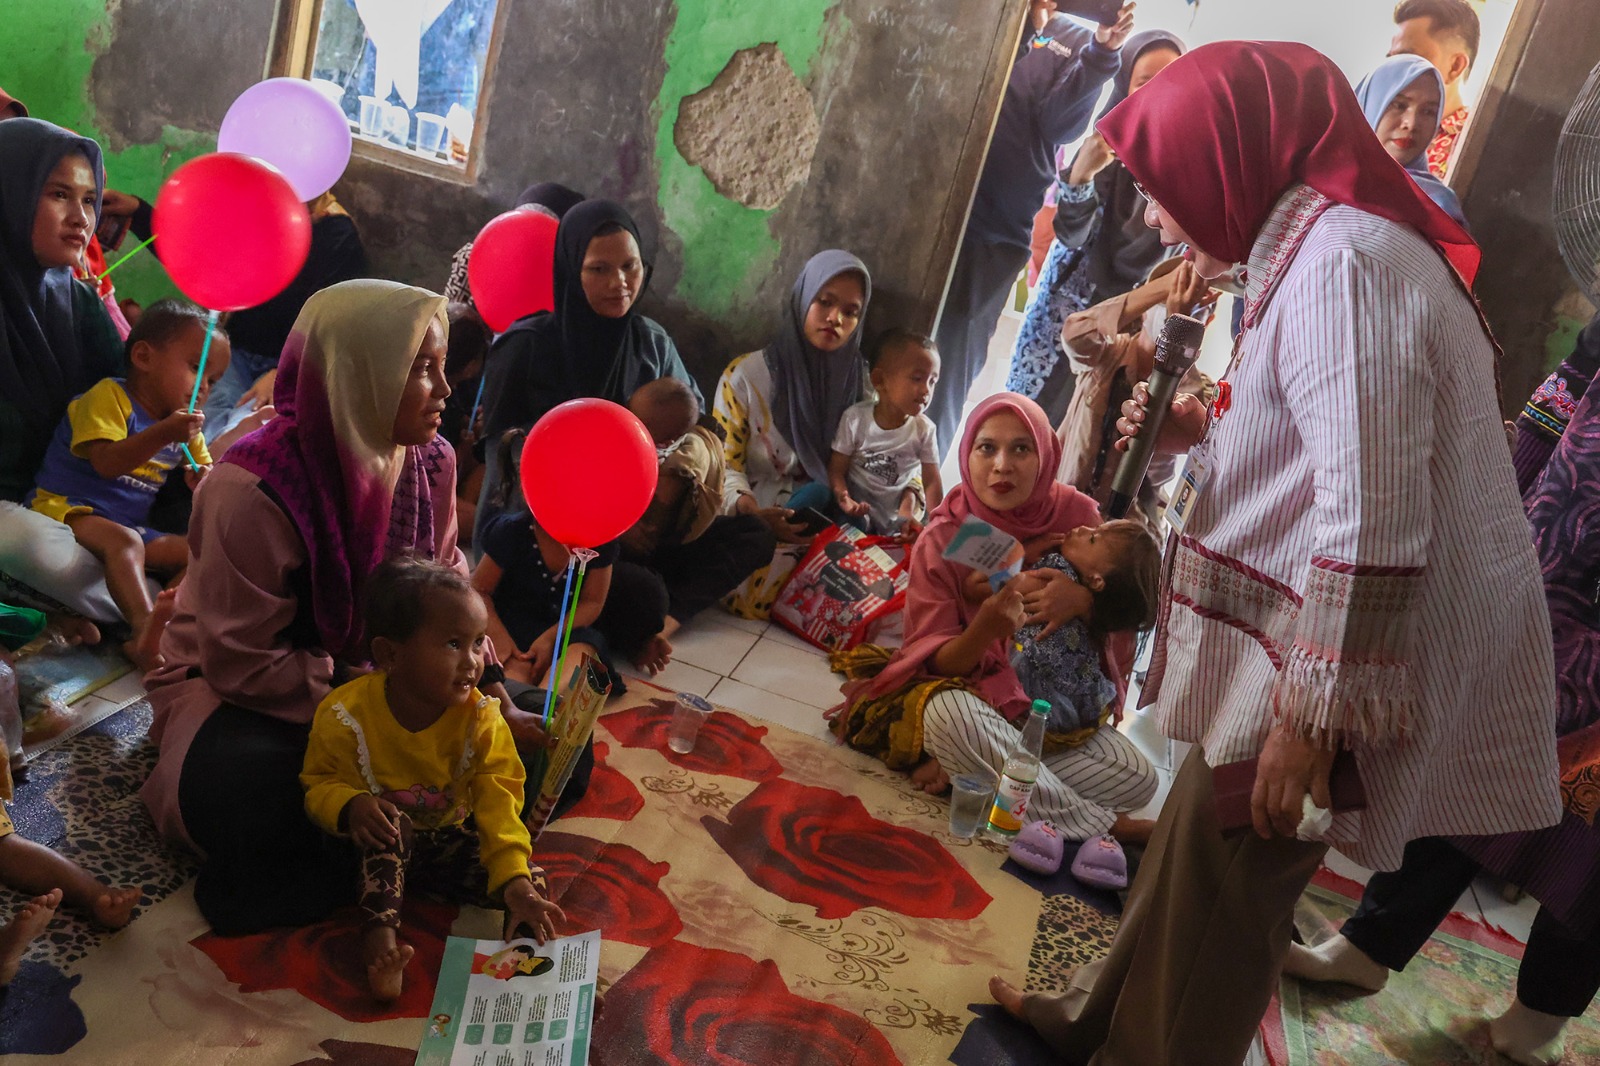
1354 572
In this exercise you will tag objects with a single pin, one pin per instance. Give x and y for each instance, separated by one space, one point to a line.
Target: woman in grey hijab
779 407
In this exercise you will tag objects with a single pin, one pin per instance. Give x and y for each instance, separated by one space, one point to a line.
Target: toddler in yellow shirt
399 761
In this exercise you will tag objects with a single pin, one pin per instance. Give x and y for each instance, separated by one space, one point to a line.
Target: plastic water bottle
1016 781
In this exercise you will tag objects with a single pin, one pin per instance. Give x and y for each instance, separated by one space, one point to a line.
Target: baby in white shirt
883 445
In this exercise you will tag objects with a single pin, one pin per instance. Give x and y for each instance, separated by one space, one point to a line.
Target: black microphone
1176 352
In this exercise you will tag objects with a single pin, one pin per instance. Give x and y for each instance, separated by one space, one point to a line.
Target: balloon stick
205 353
199 376
132 252
584 556
550 685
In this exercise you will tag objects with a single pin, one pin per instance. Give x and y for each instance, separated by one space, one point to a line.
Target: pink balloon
289 123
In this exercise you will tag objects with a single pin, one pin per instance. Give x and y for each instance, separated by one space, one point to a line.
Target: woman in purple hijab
286 529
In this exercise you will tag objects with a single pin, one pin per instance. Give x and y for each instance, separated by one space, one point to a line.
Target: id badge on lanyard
1191 486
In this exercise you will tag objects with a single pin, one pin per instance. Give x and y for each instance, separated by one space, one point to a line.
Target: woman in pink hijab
948 702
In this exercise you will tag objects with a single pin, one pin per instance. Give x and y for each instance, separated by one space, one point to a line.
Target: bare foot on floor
655 655
25 925
386 973
930 777
1007 996
145 647
1127 830
113 908
74 630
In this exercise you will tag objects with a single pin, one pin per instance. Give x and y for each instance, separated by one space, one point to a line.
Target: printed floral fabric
610 887
684 1004
727 744
813 846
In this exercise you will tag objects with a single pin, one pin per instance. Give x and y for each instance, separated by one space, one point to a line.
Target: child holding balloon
521 577
115 449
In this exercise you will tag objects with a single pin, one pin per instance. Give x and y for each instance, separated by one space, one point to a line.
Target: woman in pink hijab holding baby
949 701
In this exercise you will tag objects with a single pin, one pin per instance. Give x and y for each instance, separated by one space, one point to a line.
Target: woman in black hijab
1102 247
56 340
595 343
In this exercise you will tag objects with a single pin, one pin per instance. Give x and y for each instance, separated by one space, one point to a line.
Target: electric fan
1576 201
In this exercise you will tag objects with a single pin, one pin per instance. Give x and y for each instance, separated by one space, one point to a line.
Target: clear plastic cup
430 133
971 795
396 124
372 114
688 715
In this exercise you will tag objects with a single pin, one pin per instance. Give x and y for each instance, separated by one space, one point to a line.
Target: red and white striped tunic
1359 559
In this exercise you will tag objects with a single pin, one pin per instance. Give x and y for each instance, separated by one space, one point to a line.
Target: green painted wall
725 244
46 55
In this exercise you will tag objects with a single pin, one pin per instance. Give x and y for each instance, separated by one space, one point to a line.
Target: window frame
293 54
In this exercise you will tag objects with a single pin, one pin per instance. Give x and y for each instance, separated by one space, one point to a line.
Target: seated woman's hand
527 729
1184 426
781 521
537 660
1053 598
1002 613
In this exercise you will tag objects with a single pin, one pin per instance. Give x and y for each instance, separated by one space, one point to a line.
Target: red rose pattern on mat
323 962
684 1004
727 744
609 887
610 795
817 847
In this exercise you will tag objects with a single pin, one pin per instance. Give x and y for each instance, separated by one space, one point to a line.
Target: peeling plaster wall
587 92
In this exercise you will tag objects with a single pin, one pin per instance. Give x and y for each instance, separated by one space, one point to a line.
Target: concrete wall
587 92
1526 291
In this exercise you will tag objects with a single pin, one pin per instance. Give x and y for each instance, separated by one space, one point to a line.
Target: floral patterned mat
767 898
1434 1012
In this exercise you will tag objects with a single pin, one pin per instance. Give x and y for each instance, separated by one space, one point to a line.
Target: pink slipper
1102 864
1039 848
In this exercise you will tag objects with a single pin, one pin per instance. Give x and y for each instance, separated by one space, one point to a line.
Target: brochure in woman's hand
986 549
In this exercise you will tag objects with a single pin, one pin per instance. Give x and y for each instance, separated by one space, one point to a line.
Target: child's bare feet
113 908
386 961
25 925
655 655
386 973
1007 996
145 647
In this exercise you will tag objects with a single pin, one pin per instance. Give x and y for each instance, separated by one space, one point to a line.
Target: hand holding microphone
1145 417
1181 430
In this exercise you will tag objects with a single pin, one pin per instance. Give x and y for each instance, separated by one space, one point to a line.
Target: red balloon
230 231
588 472
512 268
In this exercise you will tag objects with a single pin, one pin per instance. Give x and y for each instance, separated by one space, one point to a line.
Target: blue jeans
222 408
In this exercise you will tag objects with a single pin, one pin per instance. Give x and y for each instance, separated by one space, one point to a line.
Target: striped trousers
1080 789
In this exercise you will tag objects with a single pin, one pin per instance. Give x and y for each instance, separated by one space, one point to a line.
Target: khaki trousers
1197 956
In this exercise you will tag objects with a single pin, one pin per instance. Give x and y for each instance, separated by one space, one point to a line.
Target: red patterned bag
845 584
